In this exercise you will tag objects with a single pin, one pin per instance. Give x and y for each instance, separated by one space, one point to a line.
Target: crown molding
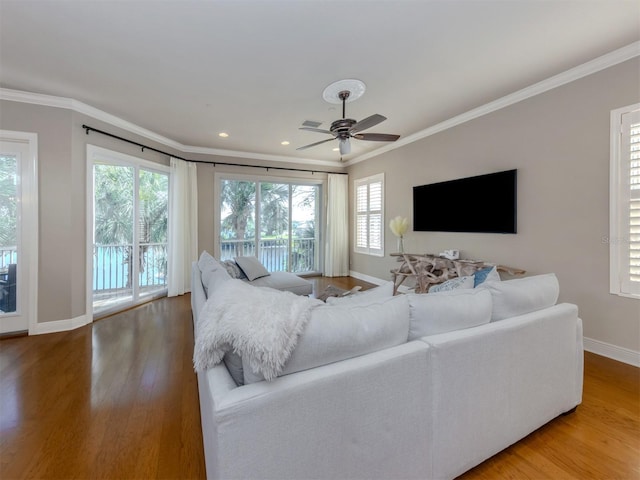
83 108
593 66
259 156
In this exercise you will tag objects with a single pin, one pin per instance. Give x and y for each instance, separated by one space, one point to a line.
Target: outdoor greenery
113 193
238 199
114 214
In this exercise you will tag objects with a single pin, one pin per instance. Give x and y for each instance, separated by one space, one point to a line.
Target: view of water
110 270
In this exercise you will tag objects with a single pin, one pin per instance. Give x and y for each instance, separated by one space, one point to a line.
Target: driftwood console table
428 270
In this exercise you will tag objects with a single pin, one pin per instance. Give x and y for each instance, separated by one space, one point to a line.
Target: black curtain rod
88 129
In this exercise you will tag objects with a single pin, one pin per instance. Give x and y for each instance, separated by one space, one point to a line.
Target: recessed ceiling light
223 134
285 142
335 149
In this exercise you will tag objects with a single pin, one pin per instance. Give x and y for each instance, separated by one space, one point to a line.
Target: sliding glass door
278 222
18 231
130 220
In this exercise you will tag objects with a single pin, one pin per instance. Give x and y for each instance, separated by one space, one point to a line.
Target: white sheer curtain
336 263
183 226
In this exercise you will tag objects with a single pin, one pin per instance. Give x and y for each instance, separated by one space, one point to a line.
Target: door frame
27 277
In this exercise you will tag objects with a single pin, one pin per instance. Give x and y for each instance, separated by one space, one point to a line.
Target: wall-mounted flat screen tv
484 204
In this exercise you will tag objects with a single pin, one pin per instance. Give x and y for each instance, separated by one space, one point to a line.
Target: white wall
559 142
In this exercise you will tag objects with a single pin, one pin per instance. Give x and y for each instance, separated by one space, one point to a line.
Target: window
624 238
369 215
278 222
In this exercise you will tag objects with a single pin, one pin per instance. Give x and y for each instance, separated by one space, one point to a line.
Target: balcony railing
274 253
8 255
113 267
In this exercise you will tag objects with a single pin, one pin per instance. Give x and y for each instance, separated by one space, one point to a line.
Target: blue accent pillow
453 284
484 274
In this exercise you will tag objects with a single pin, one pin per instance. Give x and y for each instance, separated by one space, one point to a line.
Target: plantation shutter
375 215
625 232
631 163
362 230
369 204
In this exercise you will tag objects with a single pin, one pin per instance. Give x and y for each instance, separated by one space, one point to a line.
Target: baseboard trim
375 280
60 325
614 352
621 354
367 278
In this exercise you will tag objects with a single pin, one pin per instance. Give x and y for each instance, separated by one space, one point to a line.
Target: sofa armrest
198 296
350 419
496 383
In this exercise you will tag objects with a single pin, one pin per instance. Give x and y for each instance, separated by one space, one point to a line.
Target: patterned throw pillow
233 269
487 274
453 284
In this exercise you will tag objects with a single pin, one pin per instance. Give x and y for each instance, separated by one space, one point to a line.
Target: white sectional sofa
249 269
453 379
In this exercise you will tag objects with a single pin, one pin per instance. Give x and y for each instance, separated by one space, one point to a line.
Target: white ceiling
256 69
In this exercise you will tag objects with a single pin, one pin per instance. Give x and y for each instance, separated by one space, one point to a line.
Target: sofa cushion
285 281
207 265
442 312
522 295
337 332
251 267
453 284
373 295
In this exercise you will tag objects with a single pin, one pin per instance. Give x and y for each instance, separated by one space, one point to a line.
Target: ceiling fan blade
377 137
367 123
311 129
314 144
345 146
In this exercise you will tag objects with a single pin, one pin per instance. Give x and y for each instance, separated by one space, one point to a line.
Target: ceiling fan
346 128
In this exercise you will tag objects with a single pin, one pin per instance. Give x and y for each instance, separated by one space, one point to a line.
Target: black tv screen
484 204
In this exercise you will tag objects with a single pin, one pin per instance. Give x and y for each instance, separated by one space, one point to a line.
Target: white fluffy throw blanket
260 324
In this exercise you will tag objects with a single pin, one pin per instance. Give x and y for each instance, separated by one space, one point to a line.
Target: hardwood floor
118 399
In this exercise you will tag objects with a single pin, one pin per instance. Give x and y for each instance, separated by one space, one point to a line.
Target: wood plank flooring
118 400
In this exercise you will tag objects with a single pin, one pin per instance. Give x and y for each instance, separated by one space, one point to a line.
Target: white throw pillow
434 313
251 267
522 295
216 278
207 265
453 284
336 333
368 297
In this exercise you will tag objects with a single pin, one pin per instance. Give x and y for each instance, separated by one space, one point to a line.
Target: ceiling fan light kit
343 129
345 146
